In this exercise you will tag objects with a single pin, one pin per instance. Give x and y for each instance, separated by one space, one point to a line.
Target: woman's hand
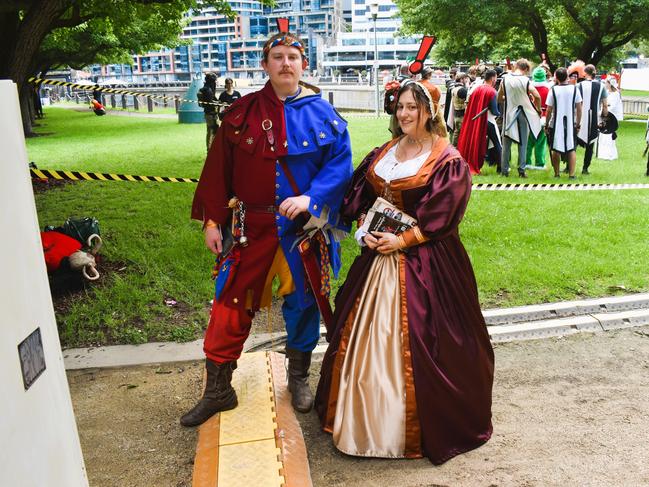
371 241
387 242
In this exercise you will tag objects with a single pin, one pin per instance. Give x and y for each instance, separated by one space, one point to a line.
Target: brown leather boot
298 373
218 396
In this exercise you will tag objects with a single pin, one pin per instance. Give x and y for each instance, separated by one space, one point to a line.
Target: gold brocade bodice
393 190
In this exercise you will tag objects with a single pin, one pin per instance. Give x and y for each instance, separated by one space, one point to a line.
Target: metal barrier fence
124 102
635 106
360 97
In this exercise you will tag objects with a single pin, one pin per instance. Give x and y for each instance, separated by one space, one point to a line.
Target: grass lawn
635 93
526 247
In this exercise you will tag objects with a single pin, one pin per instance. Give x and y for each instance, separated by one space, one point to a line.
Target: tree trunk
30 32
24 95
540 36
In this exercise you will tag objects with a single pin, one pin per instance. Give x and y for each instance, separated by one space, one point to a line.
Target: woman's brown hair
435 123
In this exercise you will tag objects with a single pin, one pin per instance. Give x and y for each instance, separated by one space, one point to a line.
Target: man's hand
292 207
387 242
214 239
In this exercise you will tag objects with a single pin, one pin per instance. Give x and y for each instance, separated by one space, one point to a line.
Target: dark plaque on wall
32 357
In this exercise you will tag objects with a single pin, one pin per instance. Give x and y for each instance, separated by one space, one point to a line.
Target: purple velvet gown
447 358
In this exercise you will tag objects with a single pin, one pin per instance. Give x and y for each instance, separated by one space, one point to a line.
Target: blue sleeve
328 186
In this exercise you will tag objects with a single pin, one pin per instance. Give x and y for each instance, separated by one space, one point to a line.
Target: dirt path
567 411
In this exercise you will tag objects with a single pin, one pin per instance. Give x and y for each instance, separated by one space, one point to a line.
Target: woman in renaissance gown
409 368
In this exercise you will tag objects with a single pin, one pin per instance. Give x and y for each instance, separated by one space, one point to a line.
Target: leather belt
261 208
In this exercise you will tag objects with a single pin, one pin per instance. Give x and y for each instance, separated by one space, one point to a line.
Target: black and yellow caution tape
103 176
116 91
554 187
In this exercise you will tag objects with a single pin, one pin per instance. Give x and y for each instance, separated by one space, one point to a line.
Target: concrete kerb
504 324
147 353
563 309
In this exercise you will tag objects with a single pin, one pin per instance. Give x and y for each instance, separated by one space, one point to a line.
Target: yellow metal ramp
260 442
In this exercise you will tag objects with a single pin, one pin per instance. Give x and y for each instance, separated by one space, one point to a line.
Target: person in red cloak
479 130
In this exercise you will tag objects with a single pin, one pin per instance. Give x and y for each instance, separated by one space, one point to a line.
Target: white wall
635 79
39 444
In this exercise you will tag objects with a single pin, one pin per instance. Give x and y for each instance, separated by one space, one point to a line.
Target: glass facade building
338 37
353 52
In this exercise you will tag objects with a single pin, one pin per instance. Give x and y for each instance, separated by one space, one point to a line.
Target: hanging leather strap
303 217
267 127
289 176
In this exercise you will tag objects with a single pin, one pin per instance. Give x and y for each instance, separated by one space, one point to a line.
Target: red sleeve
214 187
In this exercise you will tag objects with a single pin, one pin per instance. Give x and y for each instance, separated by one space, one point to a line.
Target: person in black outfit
38 104
206 98
96 94
229 96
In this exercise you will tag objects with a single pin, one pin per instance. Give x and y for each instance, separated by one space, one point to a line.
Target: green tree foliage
37 35
591 30
112 35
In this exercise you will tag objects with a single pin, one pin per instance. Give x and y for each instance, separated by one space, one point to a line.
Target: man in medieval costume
281 156
479 134
563 120
457 107
207 101
522 109
595 105
448 104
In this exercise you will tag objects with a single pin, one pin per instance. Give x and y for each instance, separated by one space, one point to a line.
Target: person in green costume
538 145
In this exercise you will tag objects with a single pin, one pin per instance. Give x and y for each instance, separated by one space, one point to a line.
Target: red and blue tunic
244 161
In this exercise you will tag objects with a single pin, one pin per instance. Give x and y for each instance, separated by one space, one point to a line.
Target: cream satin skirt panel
371 406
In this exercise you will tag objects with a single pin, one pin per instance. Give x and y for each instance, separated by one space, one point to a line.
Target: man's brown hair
523 64
561 74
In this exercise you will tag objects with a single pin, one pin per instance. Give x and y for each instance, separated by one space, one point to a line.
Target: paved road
567 411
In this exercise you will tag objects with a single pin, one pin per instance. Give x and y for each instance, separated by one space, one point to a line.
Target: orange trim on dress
413 236
337 368
376 182
413 429
422 177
